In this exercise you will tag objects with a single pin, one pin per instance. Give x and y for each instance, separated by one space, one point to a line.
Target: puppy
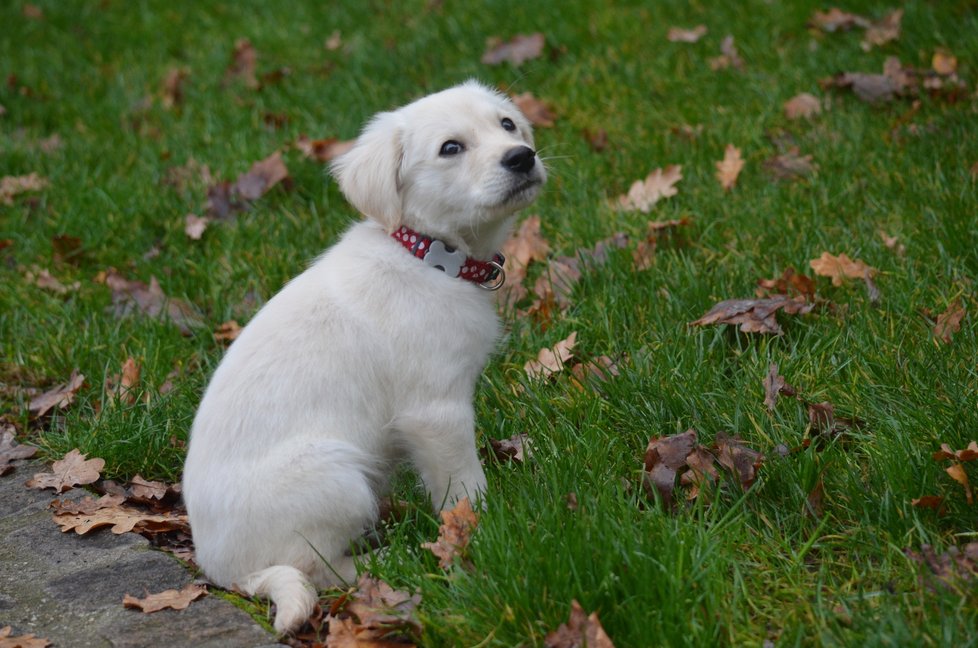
369 357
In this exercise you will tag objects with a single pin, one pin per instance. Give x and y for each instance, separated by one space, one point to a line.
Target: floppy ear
369 173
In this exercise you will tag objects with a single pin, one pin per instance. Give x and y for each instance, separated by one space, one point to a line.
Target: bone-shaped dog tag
449 261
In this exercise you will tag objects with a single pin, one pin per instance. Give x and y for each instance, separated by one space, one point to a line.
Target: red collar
438 254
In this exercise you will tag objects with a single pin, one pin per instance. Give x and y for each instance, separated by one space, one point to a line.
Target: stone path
68 588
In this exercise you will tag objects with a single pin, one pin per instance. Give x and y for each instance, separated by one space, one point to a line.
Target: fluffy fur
367 358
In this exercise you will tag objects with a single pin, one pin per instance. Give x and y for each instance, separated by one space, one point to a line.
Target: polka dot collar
437 254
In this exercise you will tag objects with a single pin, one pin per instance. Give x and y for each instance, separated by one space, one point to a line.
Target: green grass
738 571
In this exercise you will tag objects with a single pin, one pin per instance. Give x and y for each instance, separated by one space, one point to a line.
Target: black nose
520 159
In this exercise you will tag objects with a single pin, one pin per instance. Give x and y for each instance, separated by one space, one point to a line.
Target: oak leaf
262 176
729 56
664 456
60 396
754 315
194 226
801 106
42 278
958 474
644 194
228 332
702 471
382 611
322 150
169 599
134 296
11 451
517 50
454 533
8 640
883 30
836 19
968 454
951 569
949 322
790 283
729 167
841 267
600 369
244 62
516 448
790 165
581 631
681 35
108 511
774 386
551 360
123 387
11 186
928 501
526 245
539 112
740 460
68 472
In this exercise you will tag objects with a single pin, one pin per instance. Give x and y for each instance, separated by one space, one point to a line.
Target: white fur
368 357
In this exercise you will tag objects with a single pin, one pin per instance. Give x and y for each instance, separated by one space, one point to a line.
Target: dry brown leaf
680 35
173 87
262 176
551 360
837 20
957 473
42 278
840 268
928 501
790 165
729 56
517 50
944 62
86 505
194 226
11 451
123 387
555 285
322 150
950 570
244 62
172 599
228 332
539 112
729 167
11 186
598 370
893 243
121 519
801 106
790 283
8 640
968 454
754 315
883 30
644 194
144 490
742 461
526 245
59 397
580 631
68 472
133 296
516 448
774 386
949 322
32 11
454 533
664 456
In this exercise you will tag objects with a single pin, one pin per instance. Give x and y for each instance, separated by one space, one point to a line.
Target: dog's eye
508 124
451 147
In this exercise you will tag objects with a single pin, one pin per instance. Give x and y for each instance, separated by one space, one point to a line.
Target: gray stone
68 588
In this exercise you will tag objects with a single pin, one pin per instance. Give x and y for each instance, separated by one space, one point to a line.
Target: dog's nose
520 159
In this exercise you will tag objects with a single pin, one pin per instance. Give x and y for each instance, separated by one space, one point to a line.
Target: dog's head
455 165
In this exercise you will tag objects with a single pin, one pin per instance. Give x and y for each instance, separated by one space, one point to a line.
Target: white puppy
368 357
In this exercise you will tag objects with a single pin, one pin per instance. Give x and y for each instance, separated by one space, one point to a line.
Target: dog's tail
294 596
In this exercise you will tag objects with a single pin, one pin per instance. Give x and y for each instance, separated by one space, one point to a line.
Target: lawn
813 553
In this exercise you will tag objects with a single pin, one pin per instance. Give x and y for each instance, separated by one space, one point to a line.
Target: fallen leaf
322 150
664 456
893 243
928 501
823 422
172 599
144 490
949 322
957 473
754 315
944 62
729 56
790 165
968 454
86 505
883 30
173 87
556 283
517 50
262 176
454 533
742 461
11 451
551 360
133 296
580 631
334 42
227 332
600 369
66 249
837 20
659 184
951 569
11 186
123 387
840 268
244 61
801 106
790 283
540 113
194 226
32 11
8 640
526 245
42 278
774 386
59 397
516 448
680 35
68 472
122 519
729 167
702 471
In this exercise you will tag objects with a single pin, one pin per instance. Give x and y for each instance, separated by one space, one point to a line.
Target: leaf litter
454 533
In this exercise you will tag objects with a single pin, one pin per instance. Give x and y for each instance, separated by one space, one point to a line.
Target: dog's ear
369 173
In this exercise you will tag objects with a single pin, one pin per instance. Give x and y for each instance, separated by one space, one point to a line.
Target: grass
745 568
